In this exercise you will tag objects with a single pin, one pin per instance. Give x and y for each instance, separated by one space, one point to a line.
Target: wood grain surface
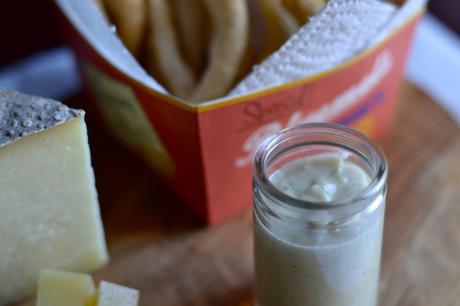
159 247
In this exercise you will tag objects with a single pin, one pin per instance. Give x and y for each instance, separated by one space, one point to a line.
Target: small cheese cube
59 288
115 295
49 212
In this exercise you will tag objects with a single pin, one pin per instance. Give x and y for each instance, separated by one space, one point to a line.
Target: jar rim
267 146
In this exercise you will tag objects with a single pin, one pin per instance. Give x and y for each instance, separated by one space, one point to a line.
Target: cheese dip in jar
319 199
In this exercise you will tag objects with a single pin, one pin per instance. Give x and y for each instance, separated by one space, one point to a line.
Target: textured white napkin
337 33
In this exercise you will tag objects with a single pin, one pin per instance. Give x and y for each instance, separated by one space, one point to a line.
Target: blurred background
34 59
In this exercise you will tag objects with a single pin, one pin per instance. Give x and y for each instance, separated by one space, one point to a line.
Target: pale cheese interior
59 288
49 212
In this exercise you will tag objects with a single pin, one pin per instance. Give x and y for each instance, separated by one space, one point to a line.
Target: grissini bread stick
304 9
280 25
164 54
256 40
130 19
229 43
192 22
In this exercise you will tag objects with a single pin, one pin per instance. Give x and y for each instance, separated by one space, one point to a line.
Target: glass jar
318 253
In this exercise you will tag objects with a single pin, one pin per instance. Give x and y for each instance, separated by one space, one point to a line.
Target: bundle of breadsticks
199 50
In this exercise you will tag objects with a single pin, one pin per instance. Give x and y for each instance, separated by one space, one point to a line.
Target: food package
342 64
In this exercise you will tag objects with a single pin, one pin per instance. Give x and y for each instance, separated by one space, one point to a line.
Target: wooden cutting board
159 247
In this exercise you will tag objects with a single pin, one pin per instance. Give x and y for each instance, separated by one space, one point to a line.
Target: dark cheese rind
22 115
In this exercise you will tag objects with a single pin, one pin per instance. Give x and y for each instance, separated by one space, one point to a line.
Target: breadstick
193 27
130 19
280 25
164 54
229 43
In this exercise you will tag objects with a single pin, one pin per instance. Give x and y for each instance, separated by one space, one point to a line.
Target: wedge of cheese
49 212
59 288
115 295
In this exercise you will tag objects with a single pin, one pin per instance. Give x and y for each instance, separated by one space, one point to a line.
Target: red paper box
204 152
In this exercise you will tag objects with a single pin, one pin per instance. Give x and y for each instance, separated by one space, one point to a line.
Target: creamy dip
297 265
321 179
